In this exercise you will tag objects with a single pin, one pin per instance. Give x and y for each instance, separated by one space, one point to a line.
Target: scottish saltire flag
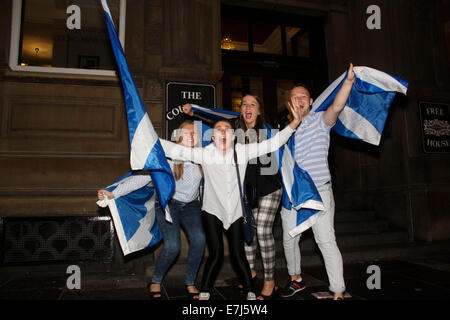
134 217
299 191
365 113
146 150
215 113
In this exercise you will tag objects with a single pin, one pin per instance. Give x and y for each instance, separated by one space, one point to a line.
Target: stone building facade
63 135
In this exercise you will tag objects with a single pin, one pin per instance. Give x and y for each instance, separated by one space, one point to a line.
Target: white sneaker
204 296
251 296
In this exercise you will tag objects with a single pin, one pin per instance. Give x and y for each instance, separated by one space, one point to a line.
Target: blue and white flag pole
146 150
367 108
134 217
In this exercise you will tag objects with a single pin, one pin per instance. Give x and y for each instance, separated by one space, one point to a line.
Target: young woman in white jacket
221 200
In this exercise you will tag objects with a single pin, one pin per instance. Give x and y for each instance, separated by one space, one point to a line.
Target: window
64 36
266 52
297 42
267 38
234 35
274 39
241 85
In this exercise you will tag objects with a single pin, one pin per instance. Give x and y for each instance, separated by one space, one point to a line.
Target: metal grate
57 239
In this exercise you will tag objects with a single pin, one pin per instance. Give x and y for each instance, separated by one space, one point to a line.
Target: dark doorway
266 53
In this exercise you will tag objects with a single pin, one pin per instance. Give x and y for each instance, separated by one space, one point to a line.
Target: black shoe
292 287
269 297
154 295
192 295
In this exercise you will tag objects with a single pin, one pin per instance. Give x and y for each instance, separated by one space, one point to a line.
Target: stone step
353 227
344 216
372 253
313 259
344 241
370 226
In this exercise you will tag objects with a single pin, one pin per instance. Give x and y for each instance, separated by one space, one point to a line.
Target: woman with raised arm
185 210
263 188
221 200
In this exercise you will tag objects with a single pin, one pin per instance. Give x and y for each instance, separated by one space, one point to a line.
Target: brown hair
303 85
223 120
297 85
260 120
178 167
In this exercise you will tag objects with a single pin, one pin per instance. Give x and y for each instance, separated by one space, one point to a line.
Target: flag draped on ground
145 153
365 113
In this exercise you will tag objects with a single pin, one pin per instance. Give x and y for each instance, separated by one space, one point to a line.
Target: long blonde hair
178 167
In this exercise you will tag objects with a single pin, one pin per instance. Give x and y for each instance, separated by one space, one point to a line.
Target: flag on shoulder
133 215
366 111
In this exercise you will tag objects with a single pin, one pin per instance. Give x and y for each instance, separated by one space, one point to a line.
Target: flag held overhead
366 111
146 150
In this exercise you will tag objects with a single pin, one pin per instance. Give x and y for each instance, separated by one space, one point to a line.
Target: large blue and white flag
146 150
366 110
299 191
134 217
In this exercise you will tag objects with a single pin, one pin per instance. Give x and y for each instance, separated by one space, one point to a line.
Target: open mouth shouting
250 110
248 116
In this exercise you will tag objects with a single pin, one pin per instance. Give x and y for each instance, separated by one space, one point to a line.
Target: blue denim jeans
187 215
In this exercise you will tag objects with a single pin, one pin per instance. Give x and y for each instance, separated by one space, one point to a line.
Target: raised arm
182 153
331 115
126 186
254 150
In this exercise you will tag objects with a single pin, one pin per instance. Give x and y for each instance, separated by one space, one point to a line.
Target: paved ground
425 278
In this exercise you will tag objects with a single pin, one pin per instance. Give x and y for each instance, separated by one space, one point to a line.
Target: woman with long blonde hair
185 210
